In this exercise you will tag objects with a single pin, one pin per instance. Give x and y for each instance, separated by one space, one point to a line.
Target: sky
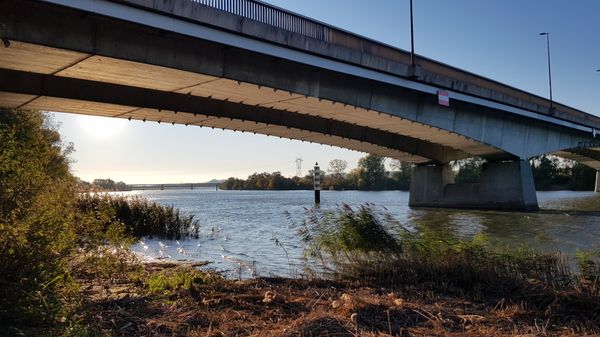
495 39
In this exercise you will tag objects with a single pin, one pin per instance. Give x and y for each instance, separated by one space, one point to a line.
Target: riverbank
170 299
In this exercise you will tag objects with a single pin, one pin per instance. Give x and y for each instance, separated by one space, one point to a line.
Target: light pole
412 37
549 69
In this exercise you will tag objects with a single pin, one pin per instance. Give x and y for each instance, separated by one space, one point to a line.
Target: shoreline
215 306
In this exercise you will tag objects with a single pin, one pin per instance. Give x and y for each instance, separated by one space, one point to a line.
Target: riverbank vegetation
103 185
48 230
549 173
65 268
141 217
371 247
370 175
368 277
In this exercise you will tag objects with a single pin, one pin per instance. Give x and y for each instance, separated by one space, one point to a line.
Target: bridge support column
503 185
597 188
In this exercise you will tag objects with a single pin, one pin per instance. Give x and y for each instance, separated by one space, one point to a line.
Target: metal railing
281 18
271 15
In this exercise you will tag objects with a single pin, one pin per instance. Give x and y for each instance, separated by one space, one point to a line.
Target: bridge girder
464 129
170 107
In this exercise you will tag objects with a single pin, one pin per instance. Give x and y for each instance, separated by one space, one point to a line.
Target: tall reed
142 217
371 247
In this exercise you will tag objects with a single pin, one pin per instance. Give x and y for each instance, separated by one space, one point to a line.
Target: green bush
36 213
41 229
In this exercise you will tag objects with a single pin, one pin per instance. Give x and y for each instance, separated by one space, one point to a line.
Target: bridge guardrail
274 16
281 18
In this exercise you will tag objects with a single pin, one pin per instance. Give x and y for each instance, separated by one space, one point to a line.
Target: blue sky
496 39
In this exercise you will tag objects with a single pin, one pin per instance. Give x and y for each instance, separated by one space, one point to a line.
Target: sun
101 128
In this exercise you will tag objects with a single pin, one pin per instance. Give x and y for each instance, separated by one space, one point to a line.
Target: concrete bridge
248 66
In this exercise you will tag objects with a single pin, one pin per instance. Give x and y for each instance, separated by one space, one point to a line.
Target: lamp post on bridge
547 34
413 71
597 185
412 37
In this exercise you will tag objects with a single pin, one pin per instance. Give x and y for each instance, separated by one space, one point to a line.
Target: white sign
443 98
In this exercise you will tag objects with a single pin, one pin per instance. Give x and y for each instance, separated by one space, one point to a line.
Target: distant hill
215 181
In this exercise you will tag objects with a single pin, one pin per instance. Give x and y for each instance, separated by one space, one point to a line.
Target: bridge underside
417 143
59 59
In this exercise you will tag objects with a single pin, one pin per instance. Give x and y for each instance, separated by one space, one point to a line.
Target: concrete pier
597 188
503 185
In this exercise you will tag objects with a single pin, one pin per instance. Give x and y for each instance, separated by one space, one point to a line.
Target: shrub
41 229
36 213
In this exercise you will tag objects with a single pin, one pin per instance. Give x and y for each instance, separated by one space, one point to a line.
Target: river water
254 233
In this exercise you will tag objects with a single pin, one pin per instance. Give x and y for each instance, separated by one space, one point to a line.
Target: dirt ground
289 307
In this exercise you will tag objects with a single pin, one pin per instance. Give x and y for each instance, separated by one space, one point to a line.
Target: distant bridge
180 186
248 66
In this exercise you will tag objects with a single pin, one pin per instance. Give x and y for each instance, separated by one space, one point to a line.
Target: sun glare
101 128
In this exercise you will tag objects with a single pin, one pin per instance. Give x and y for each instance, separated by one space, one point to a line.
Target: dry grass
288 307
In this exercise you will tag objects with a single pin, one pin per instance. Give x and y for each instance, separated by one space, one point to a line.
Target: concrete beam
63 87
586 153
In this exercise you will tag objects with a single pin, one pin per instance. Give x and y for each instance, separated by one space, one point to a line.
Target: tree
401 175
582 178
337 167
371 172
545 170
37 194
232 184
469 170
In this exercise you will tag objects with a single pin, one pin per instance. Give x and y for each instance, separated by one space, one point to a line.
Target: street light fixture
414 68
412 37
549 69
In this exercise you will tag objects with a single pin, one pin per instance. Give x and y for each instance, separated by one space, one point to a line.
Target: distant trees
401 174
469 170
549 172
371 173
337 168
552 173
582 178
109 185
232 184
267 181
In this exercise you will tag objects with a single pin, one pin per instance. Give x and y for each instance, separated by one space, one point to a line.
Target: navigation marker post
317 183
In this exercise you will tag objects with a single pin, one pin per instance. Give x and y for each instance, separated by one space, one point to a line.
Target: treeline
370 175
103 185
554 173
549 173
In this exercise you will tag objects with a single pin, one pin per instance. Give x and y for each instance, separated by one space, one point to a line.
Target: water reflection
250 232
